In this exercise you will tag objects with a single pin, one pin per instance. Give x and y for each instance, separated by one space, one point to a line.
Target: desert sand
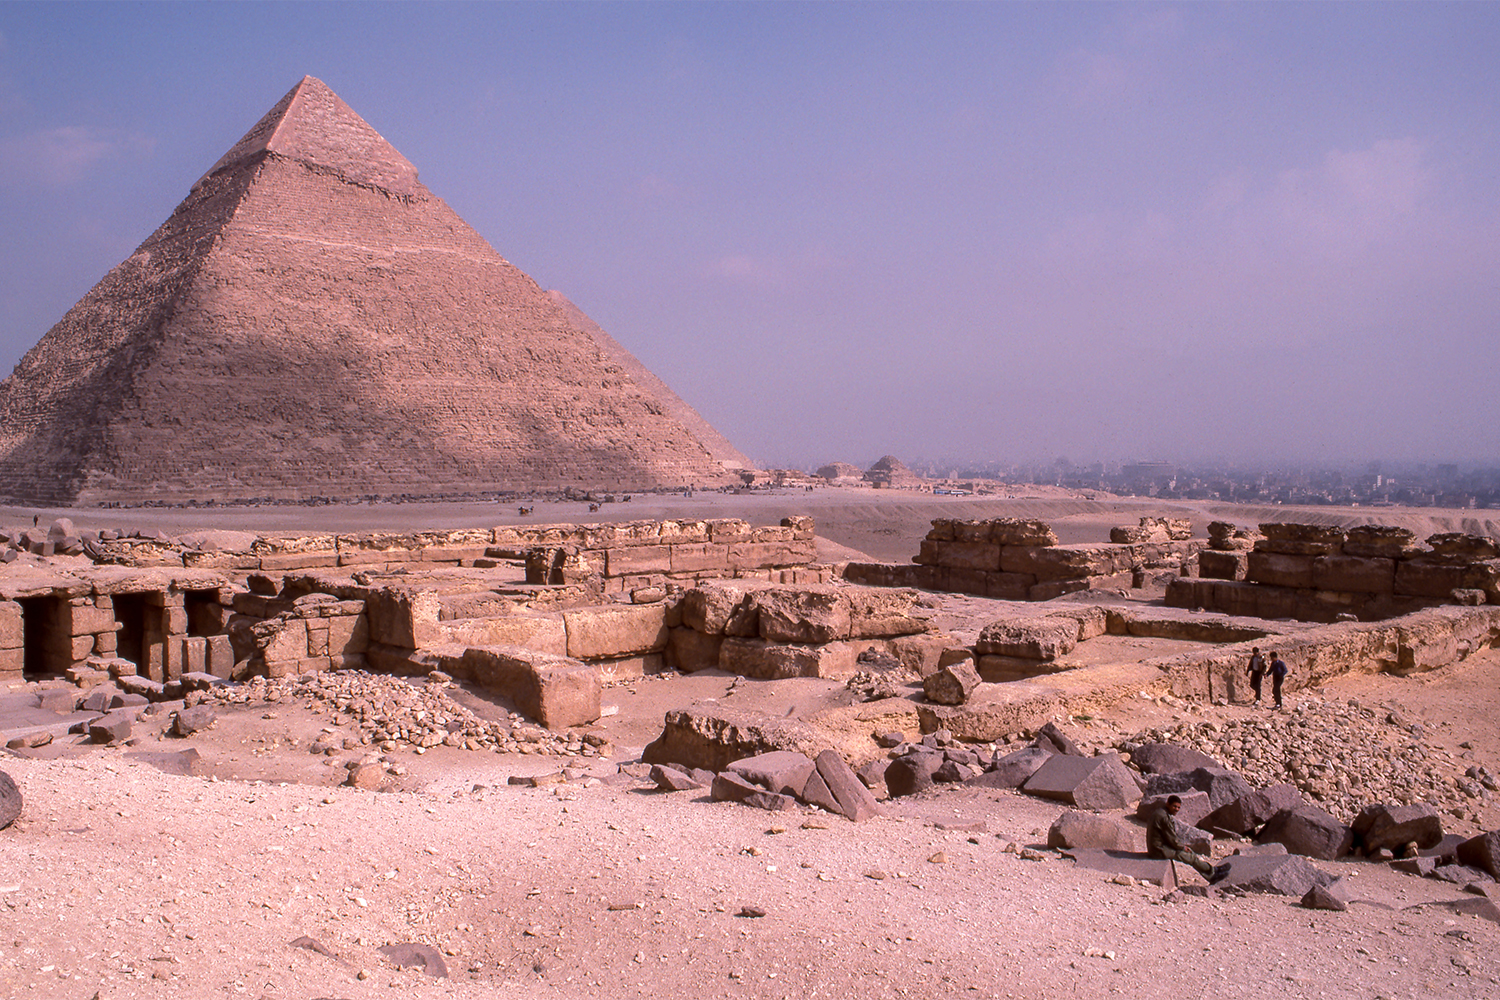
125 877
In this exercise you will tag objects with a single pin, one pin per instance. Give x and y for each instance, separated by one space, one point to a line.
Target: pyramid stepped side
327 337
56 408
674 405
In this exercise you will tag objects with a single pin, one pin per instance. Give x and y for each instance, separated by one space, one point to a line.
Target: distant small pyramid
312 321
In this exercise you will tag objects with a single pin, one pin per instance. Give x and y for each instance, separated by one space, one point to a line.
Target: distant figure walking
1278 674
1257 671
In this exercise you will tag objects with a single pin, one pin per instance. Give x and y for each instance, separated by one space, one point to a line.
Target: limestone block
556 691
802 526
1354 573
194 654
1429 577
969 555
1378 541
295 668
317 638
956 580
1008 586
402 617
1456 543
1216 565
1021 531
728 530
803 614
929 553
782 771
689 650
698 557
1044 638
774 661
105 644
82 647
722 607
628 668
918 653
1002 669
347 634
219 656
12 631
12 663
1279 569
91 620
638 559
1301 539
615 630
759 555
297 560
1064 562
952 684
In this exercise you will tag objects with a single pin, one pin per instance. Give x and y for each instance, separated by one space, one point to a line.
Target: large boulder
1482 852
711 737
782 771
1248 813
1391 827
1195 806
728 787
1222 785
951 684
1169 758
722 607
810 614
1053 739
1279 874
835 787
1309 831
1086 829
912 773
1102 782
1012 770
10 801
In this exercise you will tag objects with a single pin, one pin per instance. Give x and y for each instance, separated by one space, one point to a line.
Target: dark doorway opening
130 640
45 636
204 614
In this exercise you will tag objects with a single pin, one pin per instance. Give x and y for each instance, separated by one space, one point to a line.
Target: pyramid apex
313 125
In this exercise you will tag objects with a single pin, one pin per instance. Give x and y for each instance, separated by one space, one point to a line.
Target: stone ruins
311 321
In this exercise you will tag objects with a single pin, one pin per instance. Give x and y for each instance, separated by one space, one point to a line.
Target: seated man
1162 840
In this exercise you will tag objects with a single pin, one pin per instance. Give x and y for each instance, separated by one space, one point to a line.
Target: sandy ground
121 879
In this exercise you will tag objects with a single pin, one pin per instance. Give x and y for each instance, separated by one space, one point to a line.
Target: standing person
1162 840
1278 674
1257 671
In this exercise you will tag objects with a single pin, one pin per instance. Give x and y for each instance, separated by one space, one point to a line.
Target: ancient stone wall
1020 560
1321 573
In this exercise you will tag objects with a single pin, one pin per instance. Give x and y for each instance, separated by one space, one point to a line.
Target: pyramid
313 322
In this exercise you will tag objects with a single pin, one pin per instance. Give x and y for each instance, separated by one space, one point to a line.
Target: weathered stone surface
1391 827
1309 831
723 608
367 775
1301 539
912 773
1278 874
1216 565
1054 740
1223 786
1246 813
852 798
729 787
882 612
1482 852
773 661
114 727
554 690
1277 569
1378 541
1195 806
1085 829
1456 543
1137 865
671 779
1360 573
1029 638
1012 770
615 630
872 774
952 684
10 800
1169 758
1102 782
782 771
190 720
409 955
689 650
712 737
814 614
1334 896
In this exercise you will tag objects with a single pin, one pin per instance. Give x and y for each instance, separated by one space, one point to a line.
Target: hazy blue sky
1128 231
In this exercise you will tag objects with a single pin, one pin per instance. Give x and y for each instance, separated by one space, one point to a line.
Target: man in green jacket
1162 840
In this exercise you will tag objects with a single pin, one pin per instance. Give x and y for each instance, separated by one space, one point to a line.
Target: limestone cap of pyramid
312 125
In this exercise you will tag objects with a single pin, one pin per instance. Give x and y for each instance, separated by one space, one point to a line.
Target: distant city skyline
1112 232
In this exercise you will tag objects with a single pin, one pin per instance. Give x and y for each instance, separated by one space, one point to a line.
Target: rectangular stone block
1279 569
347 635
317 638
106 644
614 631
960 581
689 650
1216 565
628 668
554 690
699 557
969 555
297 560
91 620
1429 578
194 654
774 661
1354 573
82 647
219 656
12 631
1008 586
12 663
760 555
177 620
288 642
638 559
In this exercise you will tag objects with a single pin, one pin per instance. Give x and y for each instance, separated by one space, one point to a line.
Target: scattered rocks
191 720
1309 831
1102 782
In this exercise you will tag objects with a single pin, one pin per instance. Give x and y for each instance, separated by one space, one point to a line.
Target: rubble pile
390 711
1340 755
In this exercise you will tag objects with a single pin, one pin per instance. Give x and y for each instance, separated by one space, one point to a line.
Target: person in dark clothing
1278 675
1162 840
1257 671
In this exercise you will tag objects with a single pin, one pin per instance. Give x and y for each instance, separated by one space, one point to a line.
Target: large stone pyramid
312 321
